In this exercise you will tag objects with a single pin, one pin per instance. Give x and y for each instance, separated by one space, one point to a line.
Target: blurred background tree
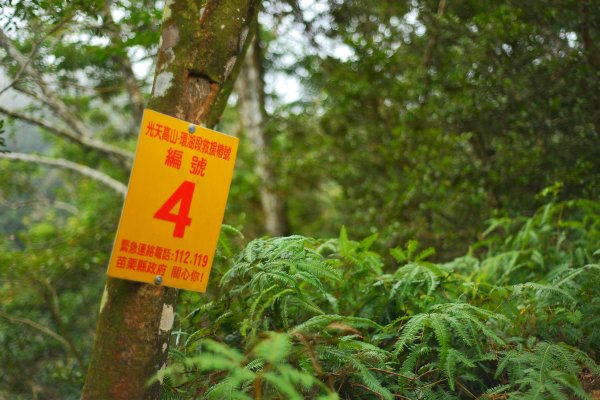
439 115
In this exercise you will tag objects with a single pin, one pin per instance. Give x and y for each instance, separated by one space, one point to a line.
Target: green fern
409 254
349 321
273 275
266 366
342 358
322 321
358 254
414 274
449 325
169 391
546 371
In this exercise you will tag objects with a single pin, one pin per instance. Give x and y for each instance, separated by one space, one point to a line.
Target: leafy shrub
296 317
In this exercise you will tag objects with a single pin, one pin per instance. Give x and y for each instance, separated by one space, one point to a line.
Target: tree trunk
202 45
251 105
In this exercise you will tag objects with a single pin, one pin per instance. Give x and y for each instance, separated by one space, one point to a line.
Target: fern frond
283 386
228 388
318 268
275 348
361 371
416 273
453 358
410 332
321 321
548 370
168 391
541 290
576 272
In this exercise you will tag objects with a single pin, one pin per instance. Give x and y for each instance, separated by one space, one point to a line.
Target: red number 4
183 195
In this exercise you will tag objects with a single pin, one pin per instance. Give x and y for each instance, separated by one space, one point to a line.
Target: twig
85 141
433 36
51 297
36 326
367 388
427 373
311 353
131 84
393 373
436 382
34 50
60 109
117 186
465 389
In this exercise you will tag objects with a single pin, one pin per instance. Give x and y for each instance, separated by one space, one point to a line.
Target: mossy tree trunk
202 46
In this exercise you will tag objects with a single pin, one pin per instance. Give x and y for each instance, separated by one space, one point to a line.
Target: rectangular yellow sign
175 203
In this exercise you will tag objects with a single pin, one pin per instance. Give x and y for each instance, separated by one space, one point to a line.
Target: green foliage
442 116
431 117
266 370
545 370
458 322
500 321
278 275
53 253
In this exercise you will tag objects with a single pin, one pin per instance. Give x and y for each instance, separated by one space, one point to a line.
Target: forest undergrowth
517 317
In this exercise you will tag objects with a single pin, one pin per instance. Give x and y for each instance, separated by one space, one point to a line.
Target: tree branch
57 105
34 50
88 142
49 294
96 175
61 109
36 326
433 35
135 95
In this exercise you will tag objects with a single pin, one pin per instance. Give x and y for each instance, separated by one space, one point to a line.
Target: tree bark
202 45
251 105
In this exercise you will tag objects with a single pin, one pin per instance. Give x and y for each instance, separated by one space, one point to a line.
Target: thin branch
26 91
36 326
433 35
135 95
367 388
95 89
393 373
42 201
311 353
96 175
34 50
57 105
465 389
61 109
87 142
48 292
435 383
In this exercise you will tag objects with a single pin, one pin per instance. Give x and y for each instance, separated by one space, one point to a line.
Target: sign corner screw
158 280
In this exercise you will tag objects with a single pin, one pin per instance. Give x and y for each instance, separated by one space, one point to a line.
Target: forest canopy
414 211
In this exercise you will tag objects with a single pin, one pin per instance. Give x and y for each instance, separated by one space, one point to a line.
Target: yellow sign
175 203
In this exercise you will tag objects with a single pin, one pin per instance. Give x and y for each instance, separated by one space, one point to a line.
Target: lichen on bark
202 45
